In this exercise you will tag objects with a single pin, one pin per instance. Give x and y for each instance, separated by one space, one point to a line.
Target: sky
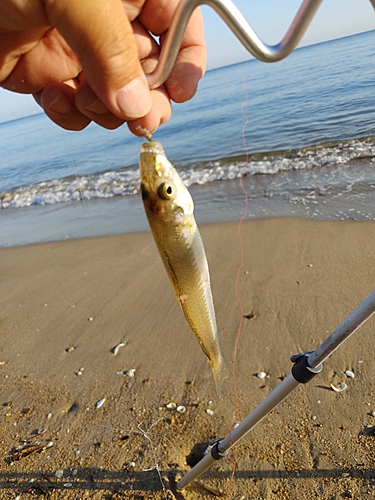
270 19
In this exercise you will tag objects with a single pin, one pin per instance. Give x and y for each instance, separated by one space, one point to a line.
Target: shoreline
215 202
66 305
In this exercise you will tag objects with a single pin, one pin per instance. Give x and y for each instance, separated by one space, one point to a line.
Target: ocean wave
125 182
68 189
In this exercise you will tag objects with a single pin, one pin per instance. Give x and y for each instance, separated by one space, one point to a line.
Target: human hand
85 61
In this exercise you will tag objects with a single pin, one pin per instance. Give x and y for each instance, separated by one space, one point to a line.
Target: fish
169 209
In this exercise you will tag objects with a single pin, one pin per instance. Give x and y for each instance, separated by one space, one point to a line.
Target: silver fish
169 209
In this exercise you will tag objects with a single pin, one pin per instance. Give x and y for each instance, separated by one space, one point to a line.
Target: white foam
125 182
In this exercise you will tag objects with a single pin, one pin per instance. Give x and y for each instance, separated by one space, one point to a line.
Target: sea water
301 131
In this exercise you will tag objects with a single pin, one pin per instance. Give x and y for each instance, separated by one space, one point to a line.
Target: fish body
170 212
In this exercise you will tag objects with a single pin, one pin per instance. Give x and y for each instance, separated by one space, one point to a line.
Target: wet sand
66 305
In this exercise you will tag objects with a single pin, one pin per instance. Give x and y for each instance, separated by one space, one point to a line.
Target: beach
83 416
105 392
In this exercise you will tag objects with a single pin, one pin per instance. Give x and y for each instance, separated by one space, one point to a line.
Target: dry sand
66 305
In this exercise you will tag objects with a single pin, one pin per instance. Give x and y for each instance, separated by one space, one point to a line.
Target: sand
66 305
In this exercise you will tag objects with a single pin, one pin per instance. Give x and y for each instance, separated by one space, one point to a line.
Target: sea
300 133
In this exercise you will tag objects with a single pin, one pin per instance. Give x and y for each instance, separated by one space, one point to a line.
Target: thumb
100 33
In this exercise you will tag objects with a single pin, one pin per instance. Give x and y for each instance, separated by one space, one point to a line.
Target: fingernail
134 100
97 107
60 104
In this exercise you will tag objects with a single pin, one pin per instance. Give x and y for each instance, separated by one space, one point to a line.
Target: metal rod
349 326
238 25
267 405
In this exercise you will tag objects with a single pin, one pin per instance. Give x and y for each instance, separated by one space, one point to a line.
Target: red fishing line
240 239
240 268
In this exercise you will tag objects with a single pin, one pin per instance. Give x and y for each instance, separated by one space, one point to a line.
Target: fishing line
240 267
242 255
147 435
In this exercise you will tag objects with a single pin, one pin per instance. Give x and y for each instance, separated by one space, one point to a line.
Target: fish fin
220 373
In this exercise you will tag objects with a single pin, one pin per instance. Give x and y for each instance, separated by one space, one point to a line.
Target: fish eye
165 191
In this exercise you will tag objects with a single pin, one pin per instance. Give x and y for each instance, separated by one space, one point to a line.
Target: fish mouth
152 147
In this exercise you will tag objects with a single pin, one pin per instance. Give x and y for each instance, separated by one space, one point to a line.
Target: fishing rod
306 366
240 28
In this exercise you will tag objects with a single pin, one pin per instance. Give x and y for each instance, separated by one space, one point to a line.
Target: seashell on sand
115 349
340 388
100 403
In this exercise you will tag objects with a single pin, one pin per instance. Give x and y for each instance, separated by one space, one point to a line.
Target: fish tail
220 373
